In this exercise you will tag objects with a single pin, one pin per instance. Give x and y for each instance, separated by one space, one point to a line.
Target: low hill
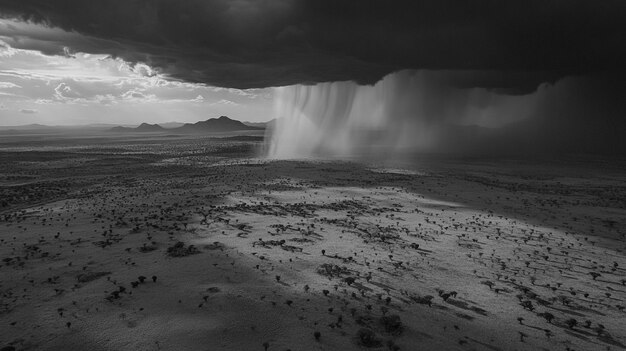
211 125
214 125
150 128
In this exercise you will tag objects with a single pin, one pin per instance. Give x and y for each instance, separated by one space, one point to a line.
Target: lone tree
317 335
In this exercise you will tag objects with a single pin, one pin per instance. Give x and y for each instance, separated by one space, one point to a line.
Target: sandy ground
196 245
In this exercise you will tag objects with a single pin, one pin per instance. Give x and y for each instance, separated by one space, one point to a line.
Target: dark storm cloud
245 43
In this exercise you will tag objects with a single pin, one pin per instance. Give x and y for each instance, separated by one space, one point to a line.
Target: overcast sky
128 61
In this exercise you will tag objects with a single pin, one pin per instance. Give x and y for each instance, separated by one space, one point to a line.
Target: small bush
87 277
392 324
147 248
424 300
366 337
179 250
571 323
214 246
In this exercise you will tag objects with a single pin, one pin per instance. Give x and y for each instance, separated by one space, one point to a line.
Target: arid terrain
196 243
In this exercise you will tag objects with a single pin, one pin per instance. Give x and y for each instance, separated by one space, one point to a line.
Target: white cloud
198 98
6 50
107 99
225 102
137 95
8 85
249 93
144 70
65 86
64 92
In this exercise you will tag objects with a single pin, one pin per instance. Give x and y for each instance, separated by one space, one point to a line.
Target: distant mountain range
211 125
143 128
221 124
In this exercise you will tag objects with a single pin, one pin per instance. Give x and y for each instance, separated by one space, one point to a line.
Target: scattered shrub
87 277
366 337
392 324
571 323
179 250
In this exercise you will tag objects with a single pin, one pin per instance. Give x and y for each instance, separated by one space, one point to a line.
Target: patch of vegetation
332 270
179 250
214 246
424 300
147 248
367 338
392 324
88 277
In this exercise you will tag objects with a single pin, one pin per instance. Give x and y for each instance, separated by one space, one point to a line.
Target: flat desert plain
197 243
